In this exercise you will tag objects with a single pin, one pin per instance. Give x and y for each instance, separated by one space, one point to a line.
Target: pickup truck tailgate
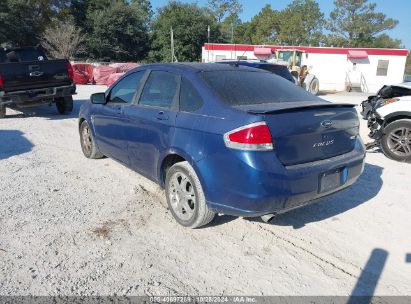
33 75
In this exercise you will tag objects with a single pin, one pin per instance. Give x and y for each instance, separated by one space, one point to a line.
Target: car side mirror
98 98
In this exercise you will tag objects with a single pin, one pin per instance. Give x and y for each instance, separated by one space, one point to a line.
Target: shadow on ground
364 289
48 111
365 188
13 143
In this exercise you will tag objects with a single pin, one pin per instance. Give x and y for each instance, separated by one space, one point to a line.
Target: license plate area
333 179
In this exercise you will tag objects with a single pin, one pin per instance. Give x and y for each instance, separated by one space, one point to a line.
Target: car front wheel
88 145
396 141
185 196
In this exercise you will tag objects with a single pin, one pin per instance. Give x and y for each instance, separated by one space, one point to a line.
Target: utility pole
172 44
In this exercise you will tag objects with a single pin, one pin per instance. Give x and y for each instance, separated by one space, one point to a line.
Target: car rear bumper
256 186
36 95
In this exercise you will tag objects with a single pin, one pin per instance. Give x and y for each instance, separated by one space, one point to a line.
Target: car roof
200 67
250 62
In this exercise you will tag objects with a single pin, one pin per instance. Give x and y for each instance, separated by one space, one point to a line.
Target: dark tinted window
278 70
160 90
3 57
25 54
190 100
123 92
247 88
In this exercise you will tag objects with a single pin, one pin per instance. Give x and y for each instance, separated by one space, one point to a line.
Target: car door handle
119 109
162 116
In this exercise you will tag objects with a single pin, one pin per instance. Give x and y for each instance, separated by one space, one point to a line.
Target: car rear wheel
396 141
64 105
88 145
185 196
2 112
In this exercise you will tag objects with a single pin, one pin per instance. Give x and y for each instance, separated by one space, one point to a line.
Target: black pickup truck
28 78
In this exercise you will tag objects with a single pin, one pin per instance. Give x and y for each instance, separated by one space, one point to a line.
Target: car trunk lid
309 131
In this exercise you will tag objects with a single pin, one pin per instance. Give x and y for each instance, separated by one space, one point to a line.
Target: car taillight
1 81
70 71
253 137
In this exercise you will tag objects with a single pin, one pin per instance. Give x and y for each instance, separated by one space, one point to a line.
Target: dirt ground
74 226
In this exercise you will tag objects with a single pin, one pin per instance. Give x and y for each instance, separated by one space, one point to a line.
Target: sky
396 9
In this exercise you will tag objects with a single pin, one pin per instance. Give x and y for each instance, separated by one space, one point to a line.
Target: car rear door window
160 90
125 89
190 99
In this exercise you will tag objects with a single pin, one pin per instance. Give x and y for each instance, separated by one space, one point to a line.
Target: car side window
160 90
190 99
124 90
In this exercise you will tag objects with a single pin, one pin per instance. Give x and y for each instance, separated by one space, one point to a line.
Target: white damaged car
390 126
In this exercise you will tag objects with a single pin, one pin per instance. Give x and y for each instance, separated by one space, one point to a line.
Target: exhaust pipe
267 217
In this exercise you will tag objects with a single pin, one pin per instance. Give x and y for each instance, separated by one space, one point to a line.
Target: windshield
238 88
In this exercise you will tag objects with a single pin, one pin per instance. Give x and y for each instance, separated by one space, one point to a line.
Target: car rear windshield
238 88
278 70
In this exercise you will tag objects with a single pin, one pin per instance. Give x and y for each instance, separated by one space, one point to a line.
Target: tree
189 23
118 33
265 26
63 40
222 9
23 21
301 23
356 23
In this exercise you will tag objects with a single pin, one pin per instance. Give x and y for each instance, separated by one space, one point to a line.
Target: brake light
253 137
1 81
70 71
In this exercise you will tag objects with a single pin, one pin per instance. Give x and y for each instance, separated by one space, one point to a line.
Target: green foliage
301 23
124 30
265 26
355 23
118 32
223 9
189 23
22 21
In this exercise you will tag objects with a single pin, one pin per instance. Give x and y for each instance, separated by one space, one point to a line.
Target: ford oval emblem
326 123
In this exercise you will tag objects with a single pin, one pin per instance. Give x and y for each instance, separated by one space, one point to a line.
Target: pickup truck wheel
2 112
185 196
64 105
88 145
396 141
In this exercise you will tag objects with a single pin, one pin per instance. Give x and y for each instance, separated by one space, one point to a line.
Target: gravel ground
73 226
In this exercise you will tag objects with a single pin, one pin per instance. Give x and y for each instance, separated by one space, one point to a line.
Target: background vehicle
28 78
224 139
300 71
390 126
275 68
383 95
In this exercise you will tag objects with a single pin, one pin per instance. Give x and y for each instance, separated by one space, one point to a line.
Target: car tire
396 141
64 105
2 112
88 145
184 191
314 87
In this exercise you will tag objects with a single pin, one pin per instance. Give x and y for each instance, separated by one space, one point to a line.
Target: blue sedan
224 139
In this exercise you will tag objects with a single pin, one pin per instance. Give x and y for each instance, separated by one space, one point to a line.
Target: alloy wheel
182 196
399 141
